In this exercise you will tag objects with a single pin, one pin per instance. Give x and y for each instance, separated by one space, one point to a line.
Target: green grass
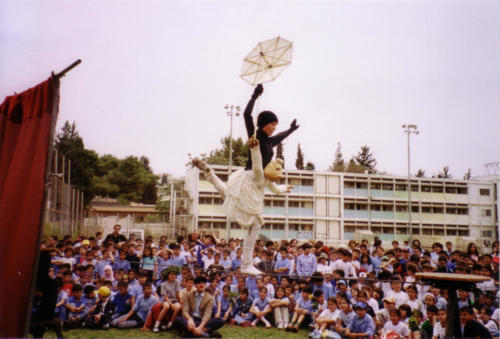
228 331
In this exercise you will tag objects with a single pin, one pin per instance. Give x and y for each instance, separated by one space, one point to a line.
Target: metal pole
408 129
230 113
409 192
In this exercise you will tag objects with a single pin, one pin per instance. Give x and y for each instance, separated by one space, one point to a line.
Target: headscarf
111 276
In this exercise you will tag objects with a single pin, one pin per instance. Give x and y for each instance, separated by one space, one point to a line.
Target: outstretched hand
253 142
294 125
257 91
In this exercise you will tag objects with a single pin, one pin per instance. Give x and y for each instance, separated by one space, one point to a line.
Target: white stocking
214 180
248 245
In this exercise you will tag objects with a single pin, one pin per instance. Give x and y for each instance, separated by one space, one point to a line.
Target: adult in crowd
197 308
115 237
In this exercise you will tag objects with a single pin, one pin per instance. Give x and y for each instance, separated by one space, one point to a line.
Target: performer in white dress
244 196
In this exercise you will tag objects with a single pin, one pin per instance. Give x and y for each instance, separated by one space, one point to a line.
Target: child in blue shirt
303 308
75 307
224 308
260 308
242 315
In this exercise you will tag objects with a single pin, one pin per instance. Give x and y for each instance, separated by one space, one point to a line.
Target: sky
156 75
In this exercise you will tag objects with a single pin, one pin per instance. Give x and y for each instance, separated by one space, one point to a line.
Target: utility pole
231 111
409 129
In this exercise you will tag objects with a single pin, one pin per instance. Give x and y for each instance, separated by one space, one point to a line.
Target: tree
365 158
338 164
354 167
420 173
299 162
279 153
445 174
310 166
83 162
220 156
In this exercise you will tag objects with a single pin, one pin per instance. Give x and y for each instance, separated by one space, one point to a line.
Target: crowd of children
357 290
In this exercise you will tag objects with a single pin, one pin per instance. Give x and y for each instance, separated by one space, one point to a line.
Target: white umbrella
266 61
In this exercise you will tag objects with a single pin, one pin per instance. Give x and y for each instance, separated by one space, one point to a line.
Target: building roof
124 208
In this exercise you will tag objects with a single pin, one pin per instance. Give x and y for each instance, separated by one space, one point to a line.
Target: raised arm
276 139
247 115
258 171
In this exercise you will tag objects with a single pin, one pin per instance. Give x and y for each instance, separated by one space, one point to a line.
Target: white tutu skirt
244 199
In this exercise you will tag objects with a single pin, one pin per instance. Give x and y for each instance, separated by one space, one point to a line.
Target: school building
335 207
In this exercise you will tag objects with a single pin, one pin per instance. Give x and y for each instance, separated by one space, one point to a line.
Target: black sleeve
247 115
276 139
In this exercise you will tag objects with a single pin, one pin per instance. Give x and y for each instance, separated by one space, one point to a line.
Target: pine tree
366 159
338 164
353 167
299 163
445 174
420 173
310 166
279 153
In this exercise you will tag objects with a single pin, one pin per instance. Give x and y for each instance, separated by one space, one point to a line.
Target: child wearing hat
362 325
101 314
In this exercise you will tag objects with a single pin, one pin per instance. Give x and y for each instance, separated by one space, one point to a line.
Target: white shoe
156 330
280 325
250 269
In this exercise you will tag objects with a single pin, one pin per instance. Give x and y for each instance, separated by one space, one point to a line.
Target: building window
293 204
205 201
451 232
437 210
348 206
349 184
484 191
414 209
487 234
217 201
437 189
426 188
278 203
463 233
307 182
486 212
426 209
461 190
401 187
387 187
401 208
362 185
451 190
463 211
387 208
235 226
451 210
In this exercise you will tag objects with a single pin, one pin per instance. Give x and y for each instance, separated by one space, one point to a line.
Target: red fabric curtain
25 131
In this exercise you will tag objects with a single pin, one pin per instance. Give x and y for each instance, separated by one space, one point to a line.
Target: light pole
409 129
231 111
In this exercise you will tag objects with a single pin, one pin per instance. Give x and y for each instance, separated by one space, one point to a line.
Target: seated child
280 305
101 314
439 331
318 304
487 322
224 308
122 300
345 316
362 325
75 307
396 325
303 308
260 308
62 298
327 318
241 314
170 290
